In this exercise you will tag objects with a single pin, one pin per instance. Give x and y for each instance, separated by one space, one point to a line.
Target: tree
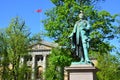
118 31
4 60
63 16
15 45
57 61
109 67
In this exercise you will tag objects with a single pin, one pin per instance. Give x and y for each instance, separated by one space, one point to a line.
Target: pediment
41 47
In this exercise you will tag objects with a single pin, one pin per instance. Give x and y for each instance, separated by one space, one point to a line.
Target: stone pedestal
81 72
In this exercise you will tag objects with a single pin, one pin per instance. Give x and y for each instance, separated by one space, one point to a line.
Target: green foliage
4 57
15 42
80 2
57 61
18 38
109 67
60 57
23 71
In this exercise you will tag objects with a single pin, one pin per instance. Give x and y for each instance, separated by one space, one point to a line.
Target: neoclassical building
37 59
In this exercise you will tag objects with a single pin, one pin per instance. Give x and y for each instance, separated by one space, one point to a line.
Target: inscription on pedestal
81 72
81 76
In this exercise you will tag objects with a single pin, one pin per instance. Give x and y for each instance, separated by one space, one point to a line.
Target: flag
38 10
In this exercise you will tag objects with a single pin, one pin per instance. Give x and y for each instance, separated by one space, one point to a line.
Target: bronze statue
80 38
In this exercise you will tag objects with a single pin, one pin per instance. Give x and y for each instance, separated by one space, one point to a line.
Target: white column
33 68
21 61
44 65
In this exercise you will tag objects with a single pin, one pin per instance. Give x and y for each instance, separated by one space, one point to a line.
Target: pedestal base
81 72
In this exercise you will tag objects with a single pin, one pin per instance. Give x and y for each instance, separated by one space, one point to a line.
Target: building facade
37 59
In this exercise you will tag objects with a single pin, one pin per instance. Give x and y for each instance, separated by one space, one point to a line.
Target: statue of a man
80 38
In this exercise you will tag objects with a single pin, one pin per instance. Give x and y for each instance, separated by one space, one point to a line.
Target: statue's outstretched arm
74 31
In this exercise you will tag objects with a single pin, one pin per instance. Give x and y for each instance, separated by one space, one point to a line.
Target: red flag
38 10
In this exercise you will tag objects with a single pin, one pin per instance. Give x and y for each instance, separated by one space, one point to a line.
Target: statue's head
81 15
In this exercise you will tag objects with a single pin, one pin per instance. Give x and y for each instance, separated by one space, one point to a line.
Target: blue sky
25 9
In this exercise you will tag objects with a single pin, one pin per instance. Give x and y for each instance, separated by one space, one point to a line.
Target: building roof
43 45
50 44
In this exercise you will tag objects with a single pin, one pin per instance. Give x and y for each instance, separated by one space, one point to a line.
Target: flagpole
41 28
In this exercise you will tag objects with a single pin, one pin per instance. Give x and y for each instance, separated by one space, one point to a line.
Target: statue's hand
70 36
85 29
